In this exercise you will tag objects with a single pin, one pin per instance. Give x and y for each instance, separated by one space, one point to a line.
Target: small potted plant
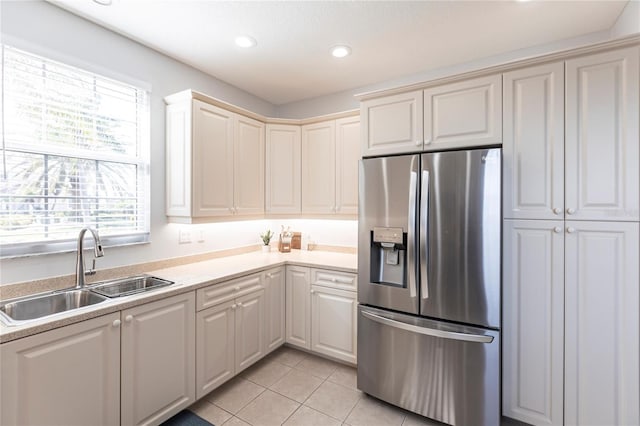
266 239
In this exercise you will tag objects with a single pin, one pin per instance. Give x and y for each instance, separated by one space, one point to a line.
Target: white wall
629 20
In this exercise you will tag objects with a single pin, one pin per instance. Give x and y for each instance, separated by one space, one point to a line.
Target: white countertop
189 277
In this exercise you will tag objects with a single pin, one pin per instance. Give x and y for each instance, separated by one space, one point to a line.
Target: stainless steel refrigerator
429 283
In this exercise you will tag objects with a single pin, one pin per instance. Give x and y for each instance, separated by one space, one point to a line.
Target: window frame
141 161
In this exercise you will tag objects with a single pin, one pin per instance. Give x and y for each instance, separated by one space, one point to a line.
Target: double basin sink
21 310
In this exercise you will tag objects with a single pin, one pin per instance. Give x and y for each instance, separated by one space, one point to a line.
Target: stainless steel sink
128 286
16 311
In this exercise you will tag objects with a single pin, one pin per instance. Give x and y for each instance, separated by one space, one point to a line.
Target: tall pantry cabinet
571 319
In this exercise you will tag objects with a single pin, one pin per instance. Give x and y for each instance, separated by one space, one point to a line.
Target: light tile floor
294 388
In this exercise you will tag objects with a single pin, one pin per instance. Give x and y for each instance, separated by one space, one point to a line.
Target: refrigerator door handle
411 228
424 224
475 338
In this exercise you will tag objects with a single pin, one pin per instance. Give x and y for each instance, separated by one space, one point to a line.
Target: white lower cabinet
230 332
571 322
249 329
333 322
321 314
215 350
533 323
158 360
131 367
602 305
298 319
274 284
66 376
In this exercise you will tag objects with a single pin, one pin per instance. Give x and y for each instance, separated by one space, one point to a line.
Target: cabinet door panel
249 330
178 159
602 136
319 168
393 124
158 359
298 321
215 356
533 321
333 323
463 114
67 376
249 166
213 160
533 147
347 156
275 308
602 324
283 169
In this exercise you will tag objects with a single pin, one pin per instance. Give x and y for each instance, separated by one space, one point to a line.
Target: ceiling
389 39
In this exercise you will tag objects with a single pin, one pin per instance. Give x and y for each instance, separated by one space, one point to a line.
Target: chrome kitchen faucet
80 272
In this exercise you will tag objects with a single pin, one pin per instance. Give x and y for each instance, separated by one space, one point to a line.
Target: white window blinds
75 153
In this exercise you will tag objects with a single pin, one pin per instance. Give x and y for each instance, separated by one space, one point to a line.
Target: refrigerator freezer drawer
442 371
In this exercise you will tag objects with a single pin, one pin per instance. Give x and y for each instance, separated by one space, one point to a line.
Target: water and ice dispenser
389 256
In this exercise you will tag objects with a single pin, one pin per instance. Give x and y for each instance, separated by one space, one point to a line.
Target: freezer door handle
475 338
411 228
424 223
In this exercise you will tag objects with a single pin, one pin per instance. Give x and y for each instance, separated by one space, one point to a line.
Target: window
75 153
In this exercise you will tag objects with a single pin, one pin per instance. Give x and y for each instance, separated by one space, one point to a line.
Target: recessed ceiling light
340 51
103 2
246 41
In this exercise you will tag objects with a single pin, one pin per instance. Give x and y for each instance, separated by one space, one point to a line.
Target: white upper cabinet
215 162
318 168
468 113
212 173
392 124
347 156
283 169
533 147
533 321
248 180
602 136
602 324
330 154
456 115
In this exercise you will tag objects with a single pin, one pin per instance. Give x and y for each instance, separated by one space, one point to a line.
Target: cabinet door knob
233 306
427 141
571 211
128 318
269 276
313 292
571 230
231 210
239 304
117 323
334 279
418 143
557 229
557 210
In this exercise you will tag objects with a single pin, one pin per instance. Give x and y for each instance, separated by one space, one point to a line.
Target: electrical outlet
201 236
184 236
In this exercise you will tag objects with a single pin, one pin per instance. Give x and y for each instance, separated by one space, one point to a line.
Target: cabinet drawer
341 280
223 292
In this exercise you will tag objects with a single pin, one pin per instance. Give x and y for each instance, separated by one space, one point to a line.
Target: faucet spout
98 252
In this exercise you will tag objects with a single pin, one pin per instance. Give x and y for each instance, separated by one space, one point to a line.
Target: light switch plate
184 236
